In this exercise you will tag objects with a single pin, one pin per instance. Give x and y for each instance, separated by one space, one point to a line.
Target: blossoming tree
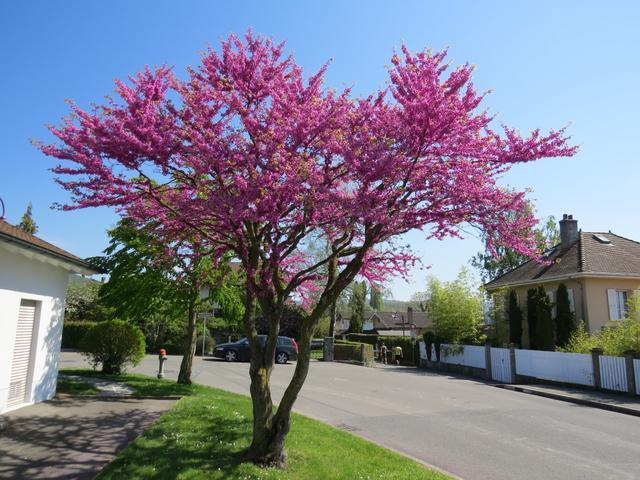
250 157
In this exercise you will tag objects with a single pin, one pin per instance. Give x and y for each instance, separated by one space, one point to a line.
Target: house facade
33 282
601 270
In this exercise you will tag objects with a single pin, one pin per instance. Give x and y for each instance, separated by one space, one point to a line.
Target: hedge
74 332
368 338
353 352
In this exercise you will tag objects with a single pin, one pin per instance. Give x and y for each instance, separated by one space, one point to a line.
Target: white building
33 284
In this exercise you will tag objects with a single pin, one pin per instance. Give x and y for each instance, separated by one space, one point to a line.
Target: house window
617 304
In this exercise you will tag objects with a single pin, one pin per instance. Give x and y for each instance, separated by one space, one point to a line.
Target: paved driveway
71 438
462 426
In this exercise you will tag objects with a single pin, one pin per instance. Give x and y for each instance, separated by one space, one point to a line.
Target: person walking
383 353
397 350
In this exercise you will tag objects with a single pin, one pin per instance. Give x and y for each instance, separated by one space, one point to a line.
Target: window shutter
612 296
572 305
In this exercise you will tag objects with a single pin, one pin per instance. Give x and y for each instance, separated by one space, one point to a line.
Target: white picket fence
613 373
468 355
555 366
575 368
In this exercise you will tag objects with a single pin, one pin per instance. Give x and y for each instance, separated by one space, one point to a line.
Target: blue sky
548 63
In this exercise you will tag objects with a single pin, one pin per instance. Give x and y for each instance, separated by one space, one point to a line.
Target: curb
63 396
569 399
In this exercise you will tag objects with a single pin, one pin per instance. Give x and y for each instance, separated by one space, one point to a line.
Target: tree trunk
184 376
270 429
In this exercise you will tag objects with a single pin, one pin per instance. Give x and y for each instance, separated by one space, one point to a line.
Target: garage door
21 358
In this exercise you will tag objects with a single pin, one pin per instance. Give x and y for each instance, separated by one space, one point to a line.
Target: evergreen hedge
73 332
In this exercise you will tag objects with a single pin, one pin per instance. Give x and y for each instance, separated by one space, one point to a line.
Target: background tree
375 299
83 302
515 319
565 322
144 280
357 303
249 157
544 323
498 259
456 309
28 224
532 318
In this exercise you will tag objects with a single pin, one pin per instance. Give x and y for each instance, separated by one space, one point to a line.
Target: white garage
33 284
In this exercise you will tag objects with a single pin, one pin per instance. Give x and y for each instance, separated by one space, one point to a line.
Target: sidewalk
621 403
72 437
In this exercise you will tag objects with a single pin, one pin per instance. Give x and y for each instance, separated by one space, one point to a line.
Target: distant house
409 323
33 284
601 270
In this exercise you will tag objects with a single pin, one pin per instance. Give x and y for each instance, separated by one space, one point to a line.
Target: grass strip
205 435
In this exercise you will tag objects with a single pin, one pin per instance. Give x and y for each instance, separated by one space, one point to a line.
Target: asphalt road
462 426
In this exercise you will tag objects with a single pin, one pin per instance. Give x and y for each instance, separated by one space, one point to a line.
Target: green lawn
205 434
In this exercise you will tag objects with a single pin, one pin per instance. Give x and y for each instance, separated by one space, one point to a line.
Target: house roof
24 240
594 253
386 320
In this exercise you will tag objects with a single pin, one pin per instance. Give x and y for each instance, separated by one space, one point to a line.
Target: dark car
286 349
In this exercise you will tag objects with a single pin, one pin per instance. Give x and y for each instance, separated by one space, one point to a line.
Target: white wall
29 278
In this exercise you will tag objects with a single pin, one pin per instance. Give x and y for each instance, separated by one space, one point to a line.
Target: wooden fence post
487 359
631 375
595 358
512 359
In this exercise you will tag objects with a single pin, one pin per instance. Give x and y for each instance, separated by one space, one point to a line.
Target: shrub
113 344
74 332
565 323
515 319
532 319
209 345
544 323
368 338
614 340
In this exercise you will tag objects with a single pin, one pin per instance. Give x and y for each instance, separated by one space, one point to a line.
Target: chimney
410 315
568 231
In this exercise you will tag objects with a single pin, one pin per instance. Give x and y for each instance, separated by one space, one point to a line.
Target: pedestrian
383 353
398 353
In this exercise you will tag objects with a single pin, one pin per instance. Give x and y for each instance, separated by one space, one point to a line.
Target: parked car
240 351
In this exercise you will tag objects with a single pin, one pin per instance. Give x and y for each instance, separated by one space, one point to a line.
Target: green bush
368 338
74 332
113 344
407 345
544 324
515 319
614 340
353 352
209 345
565 323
